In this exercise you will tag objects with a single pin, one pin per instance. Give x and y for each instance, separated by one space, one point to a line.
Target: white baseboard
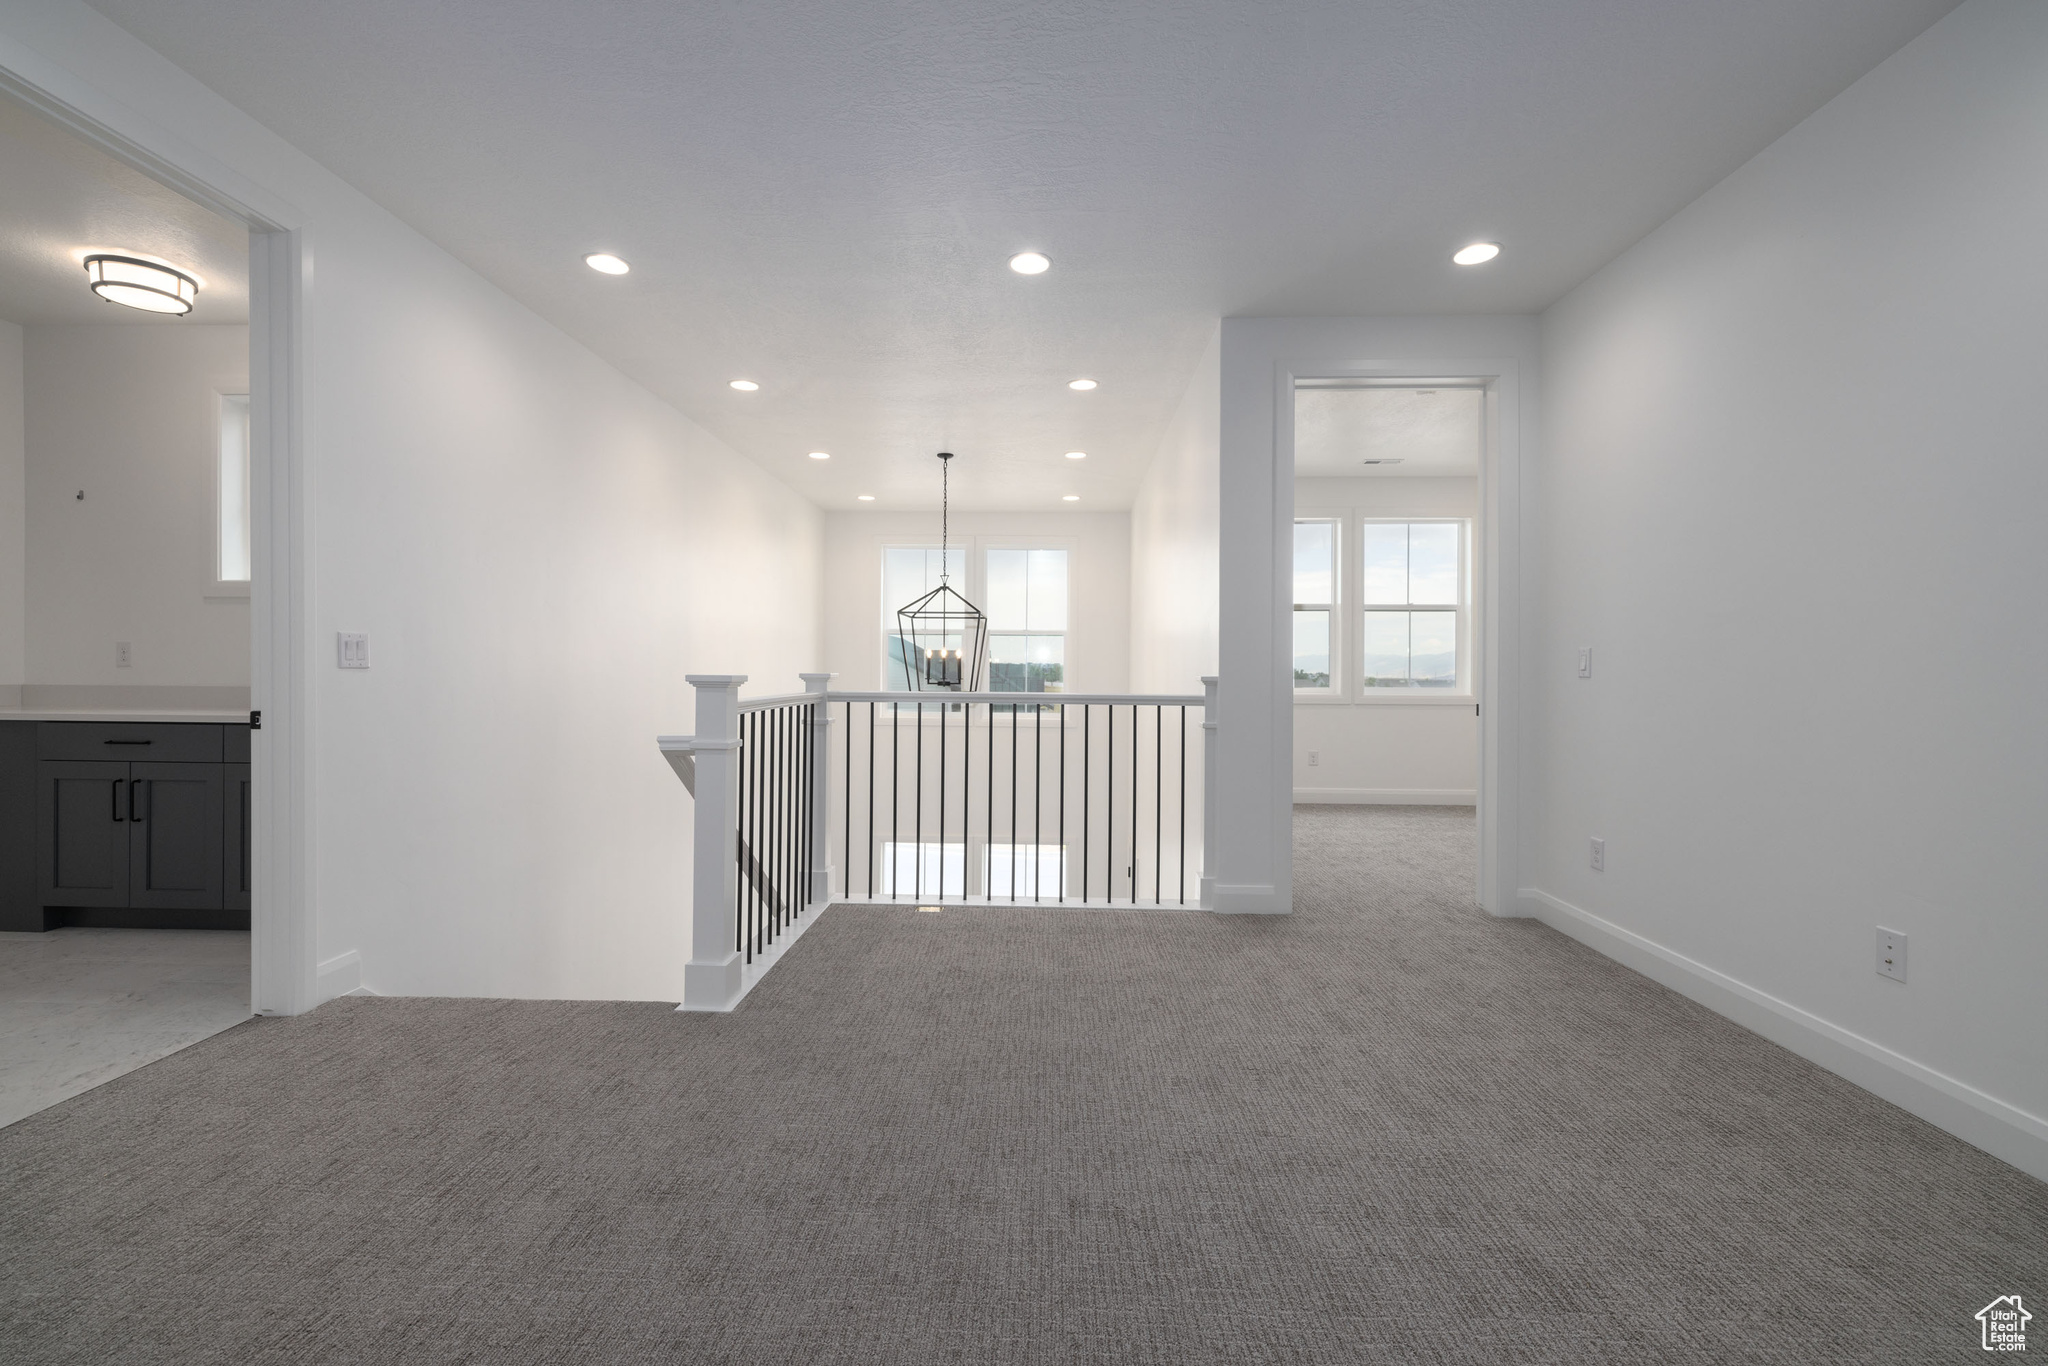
342 975
1385 796
1247 898
1982 1120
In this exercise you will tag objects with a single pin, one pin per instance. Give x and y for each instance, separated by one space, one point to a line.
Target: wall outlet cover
1891 954
1596 851
122 658
1315 758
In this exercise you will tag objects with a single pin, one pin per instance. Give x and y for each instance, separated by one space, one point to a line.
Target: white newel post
1208 883
713 979
819 884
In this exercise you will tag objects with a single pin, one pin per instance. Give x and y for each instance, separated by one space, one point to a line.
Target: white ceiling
1429 431
821 195
63 197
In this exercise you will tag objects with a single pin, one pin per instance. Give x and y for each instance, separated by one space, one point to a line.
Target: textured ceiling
61 197
821 196
1429 431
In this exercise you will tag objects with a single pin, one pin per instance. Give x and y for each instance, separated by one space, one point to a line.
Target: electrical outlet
122 659
1891 954
1315 758
351 651
1597 855
1586 661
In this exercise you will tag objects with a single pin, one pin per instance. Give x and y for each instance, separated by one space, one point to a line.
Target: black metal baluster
1087 787
1158 800
1013 803
1037 794
917 815
988 836
1109 801
895 799
870 832
942 802
1134 803
778 801
1063 801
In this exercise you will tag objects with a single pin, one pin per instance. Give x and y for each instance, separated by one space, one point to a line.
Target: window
1027 620
908 573
928 869
1414 602
231 565
1315 602
1023 870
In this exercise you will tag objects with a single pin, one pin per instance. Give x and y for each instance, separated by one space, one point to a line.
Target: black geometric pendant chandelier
947 634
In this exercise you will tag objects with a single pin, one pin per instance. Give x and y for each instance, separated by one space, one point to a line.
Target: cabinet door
175 848
236 863
82 834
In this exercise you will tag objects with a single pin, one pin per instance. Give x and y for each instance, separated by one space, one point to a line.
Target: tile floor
78 1007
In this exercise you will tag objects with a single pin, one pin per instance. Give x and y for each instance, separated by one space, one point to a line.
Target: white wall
13 524
129 416
539 551
1404 748
1098 587
1175 522
1792 499
1261 356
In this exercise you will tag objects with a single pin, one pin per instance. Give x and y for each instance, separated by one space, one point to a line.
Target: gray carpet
1387 1128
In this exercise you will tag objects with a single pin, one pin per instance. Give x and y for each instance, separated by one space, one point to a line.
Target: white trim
1385 796
719 992
342 975
1982 1120
1247 898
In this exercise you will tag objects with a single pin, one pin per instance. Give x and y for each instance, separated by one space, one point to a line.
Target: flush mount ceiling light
1084 385
1077 455
865 497
821 455
745 386
1477 254
605 263
1070 498
1030 263
138 282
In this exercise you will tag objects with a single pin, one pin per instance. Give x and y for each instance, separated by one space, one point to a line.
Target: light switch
1586 661
352 651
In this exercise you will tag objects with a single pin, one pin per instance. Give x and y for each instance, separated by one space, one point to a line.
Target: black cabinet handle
127 742
138 789
117 799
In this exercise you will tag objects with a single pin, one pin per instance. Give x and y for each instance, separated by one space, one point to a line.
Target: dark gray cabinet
124 823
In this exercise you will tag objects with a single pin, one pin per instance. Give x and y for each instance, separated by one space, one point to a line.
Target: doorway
133 460
1387 622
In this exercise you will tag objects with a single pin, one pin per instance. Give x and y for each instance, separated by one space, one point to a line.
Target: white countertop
213 718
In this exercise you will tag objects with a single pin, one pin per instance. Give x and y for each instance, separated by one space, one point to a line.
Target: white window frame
982 546
218 586
1340 582
976 590
1460 692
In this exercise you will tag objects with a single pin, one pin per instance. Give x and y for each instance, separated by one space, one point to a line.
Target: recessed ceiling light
1070 498
821 455
605 263
1030 263
152 286
1477 254
745 386
1383 460
865 497
1077 455
1082 384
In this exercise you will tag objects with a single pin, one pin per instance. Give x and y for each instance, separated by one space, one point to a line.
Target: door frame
283 943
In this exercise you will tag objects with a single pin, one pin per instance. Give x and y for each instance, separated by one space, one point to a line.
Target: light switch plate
1586 661
1891 954
352 651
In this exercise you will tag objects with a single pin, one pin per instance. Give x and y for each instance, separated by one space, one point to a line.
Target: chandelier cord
945 504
